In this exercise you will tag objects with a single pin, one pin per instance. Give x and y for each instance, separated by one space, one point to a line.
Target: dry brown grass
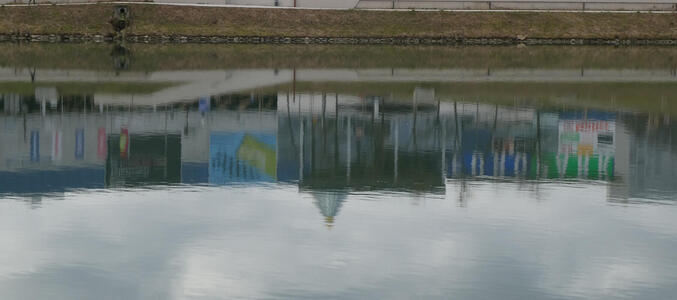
179 20
154 57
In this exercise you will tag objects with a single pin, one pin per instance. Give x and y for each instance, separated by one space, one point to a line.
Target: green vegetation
181 20
633 97
157 57
630 96
77 88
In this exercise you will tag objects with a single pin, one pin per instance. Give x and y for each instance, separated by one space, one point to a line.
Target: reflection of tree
121 57
329 203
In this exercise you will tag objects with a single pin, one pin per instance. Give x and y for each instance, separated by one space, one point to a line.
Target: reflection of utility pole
300 149
457 146
538 144
185 126
24 123
324 107
348 150
462 191
397 147
165 148
32 72
455 125
324 129
311 124
413 128
375 109
291 130
495 116
443 141
336 133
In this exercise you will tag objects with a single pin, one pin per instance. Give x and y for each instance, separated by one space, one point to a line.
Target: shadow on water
409 119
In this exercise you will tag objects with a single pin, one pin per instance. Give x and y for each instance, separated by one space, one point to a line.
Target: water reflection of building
122 146
526 143
646 158
42 152
143 159
324 142
343 142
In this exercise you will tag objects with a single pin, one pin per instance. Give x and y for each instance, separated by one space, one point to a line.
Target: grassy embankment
635 96
212 21
158 57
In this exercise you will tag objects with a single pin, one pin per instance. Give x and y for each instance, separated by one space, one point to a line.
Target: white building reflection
322 141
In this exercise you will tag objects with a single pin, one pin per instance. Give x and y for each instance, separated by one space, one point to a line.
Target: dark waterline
216 171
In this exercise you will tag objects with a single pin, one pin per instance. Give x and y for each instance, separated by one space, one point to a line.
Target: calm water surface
158 172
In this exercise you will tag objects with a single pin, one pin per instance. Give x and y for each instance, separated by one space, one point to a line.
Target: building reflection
328 144
340 142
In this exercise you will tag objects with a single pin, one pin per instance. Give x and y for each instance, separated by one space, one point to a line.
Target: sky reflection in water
438 178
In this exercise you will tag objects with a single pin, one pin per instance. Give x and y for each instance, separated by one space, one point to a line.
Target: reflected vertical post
397 147
300 149
348 149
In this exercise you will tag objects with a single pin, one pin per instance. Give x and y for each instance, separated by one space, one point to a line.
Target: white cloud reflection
505 241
